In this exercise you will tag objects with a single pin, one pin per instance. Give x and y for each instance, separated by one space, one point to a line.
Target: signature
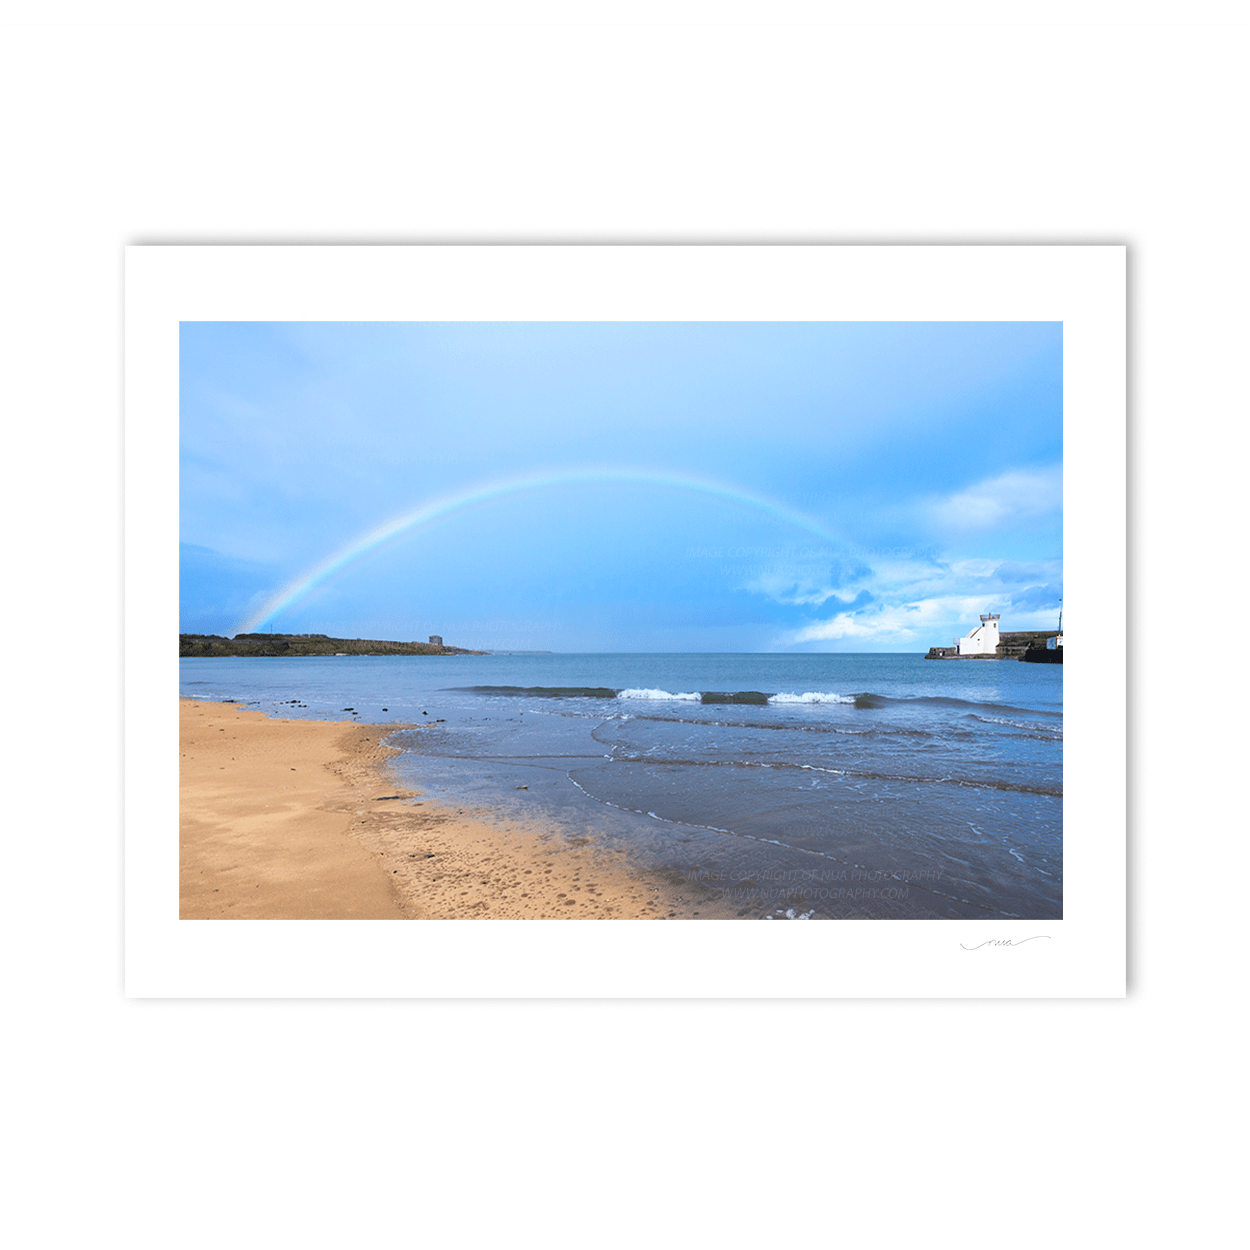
1004 942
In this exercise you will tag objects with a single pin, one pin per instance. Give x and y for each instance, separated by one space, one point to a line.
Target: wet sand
299 820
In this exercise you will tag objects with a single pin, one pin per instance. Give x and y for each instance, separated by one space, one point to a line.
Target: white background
625 1123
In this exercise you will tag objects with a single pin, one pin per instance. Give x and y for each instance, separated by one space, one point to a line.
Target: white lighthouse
983 640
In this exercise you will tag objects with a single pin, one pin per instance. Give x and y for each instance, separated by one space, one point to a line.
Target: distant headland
308 644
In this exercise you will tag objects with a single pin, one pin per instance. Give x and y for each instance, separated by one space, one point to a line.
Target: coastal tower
1057 641
983 640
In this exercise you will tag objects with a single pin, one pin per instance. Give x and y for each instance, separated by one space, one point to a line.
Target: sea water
830 786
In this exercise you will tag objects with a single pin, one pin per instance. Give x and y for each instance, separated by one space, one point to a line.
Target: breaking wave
656 695
819 696
864 700
660 695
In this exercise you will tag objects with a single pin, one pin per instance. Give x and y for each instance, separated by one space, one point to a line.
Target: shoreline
301 820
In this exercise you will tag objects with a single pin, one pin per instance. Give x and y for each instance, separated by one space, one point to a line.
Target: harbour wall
1011 646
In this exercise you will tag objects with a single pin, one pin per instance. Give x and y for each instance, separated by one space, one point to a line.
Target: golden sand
298 820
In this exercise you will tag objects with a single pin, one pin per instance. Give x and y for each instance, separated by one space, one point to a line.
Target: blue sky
718 486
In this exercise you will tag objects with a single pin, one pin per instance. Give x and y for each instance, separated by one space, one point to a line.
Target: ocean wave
941 700
867 730
656 694
692 697
1033 729
545 692
854 774
1021 732
818 696
783 699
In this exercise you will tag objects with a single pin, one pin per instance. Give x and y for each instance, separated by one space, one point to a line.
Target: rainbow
447 505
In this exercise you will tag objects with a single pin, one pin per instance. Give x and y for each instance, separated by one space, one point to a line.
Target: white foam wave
813 696
692 697
1004 720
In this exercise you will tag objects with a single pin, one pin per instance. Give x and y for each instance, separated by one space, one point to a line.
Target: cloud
1011 573
1037 598
1013 497
915 598
846 625
931 619
897 623
809 585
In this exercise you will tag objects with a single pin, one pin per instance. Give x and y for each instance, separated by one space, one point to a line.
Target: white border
1083 955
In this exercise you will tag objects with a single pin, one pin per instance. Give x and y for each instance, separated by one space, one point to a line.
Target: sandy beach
298 820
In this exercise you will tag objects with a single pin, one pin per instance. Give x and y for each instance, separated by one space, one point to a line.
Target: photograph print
621 620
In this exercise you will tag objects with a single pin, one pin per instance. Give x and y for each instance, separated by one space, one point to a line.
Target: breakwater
1011 646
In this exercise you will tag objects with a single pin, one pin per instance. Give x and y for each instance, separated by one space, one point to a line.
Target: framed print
548 617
